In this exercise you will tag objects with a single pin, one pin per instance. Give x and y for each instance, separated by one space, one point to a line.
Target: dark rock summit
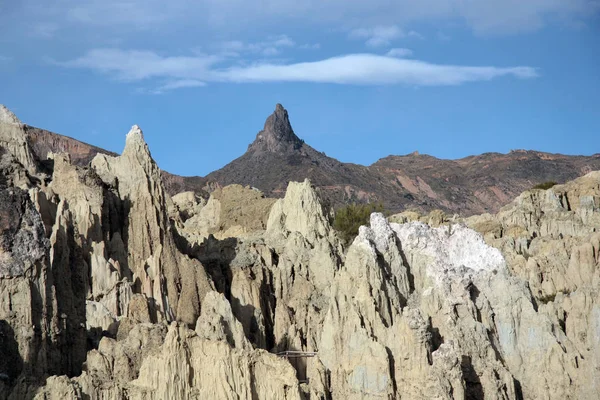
277 136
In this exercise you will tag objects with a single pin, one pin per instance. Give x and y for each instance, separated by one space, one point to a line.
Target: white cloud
399 52
352 69
369 69
135 65
283 41
182 83
378 36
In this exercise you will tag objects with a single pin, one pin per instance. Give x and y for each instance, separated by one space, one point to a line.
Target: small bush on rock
545 185
349 218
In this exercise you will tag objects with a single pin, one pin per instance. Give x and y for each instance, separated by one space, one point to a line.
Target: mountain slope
470 185
482 183
278 156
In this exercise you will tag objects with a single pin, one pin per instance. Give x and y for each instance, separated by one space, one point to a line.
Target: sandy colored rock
7 116
232 211
188 204
216 322
175 282
110 290
14 139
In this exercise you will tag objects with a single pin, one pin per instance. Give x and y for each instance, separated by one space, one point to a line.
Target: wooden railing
296 354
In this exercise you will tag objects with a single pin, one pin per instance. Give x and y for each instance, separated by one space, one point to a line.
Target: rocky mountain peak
14 139
277 135
7 116
136 145
135 138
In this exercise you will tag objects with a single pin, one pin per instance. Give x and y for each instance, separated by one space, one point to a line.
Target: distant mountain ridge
467 186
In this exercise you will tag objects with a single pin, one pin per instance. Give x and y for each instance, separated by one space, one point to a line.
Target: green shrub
349 218
545 185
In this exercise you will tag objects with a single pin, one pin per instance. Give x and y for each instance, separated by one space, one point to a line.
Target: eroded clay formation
111 289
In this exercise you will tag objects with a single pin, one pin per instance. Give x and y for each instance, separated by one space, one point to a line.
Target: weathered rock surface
232 211
175 282
107 291
551 239
7 116
43 142
187 204
42 305
14 140
72 260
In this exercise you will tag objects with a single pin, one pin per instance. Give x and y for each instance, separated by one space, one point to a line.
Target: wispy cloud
485 17
378 36
5 59
443 37
45 30
399 52
283 41
415 34
179 84
351 69
270 47
136 65
139 14
184 83
310 46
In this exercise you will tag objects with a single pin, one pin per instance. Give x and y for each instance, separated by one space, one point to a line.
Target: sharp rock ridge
7 116
277 135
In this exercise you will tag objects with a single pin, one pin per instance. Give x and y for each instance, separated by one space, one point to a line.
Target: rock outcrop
468 329
232 211
108 291
277 136
7 116
43 142
14 140
42 300
551 239
175 282
75 252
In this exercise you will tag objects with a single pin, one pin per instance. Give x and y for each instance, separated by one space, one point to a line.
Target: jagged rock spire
7 116
277 135
14 139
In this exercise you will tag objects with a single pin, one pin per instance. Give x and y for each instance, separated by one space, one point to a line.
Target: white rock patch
459 252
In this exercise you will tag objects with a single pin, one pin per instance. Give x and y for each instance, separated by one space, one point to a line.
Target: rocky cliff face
43 142
106 293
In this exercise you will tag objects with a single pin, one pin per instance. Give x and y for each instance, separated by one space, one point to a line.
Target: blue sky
361 80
